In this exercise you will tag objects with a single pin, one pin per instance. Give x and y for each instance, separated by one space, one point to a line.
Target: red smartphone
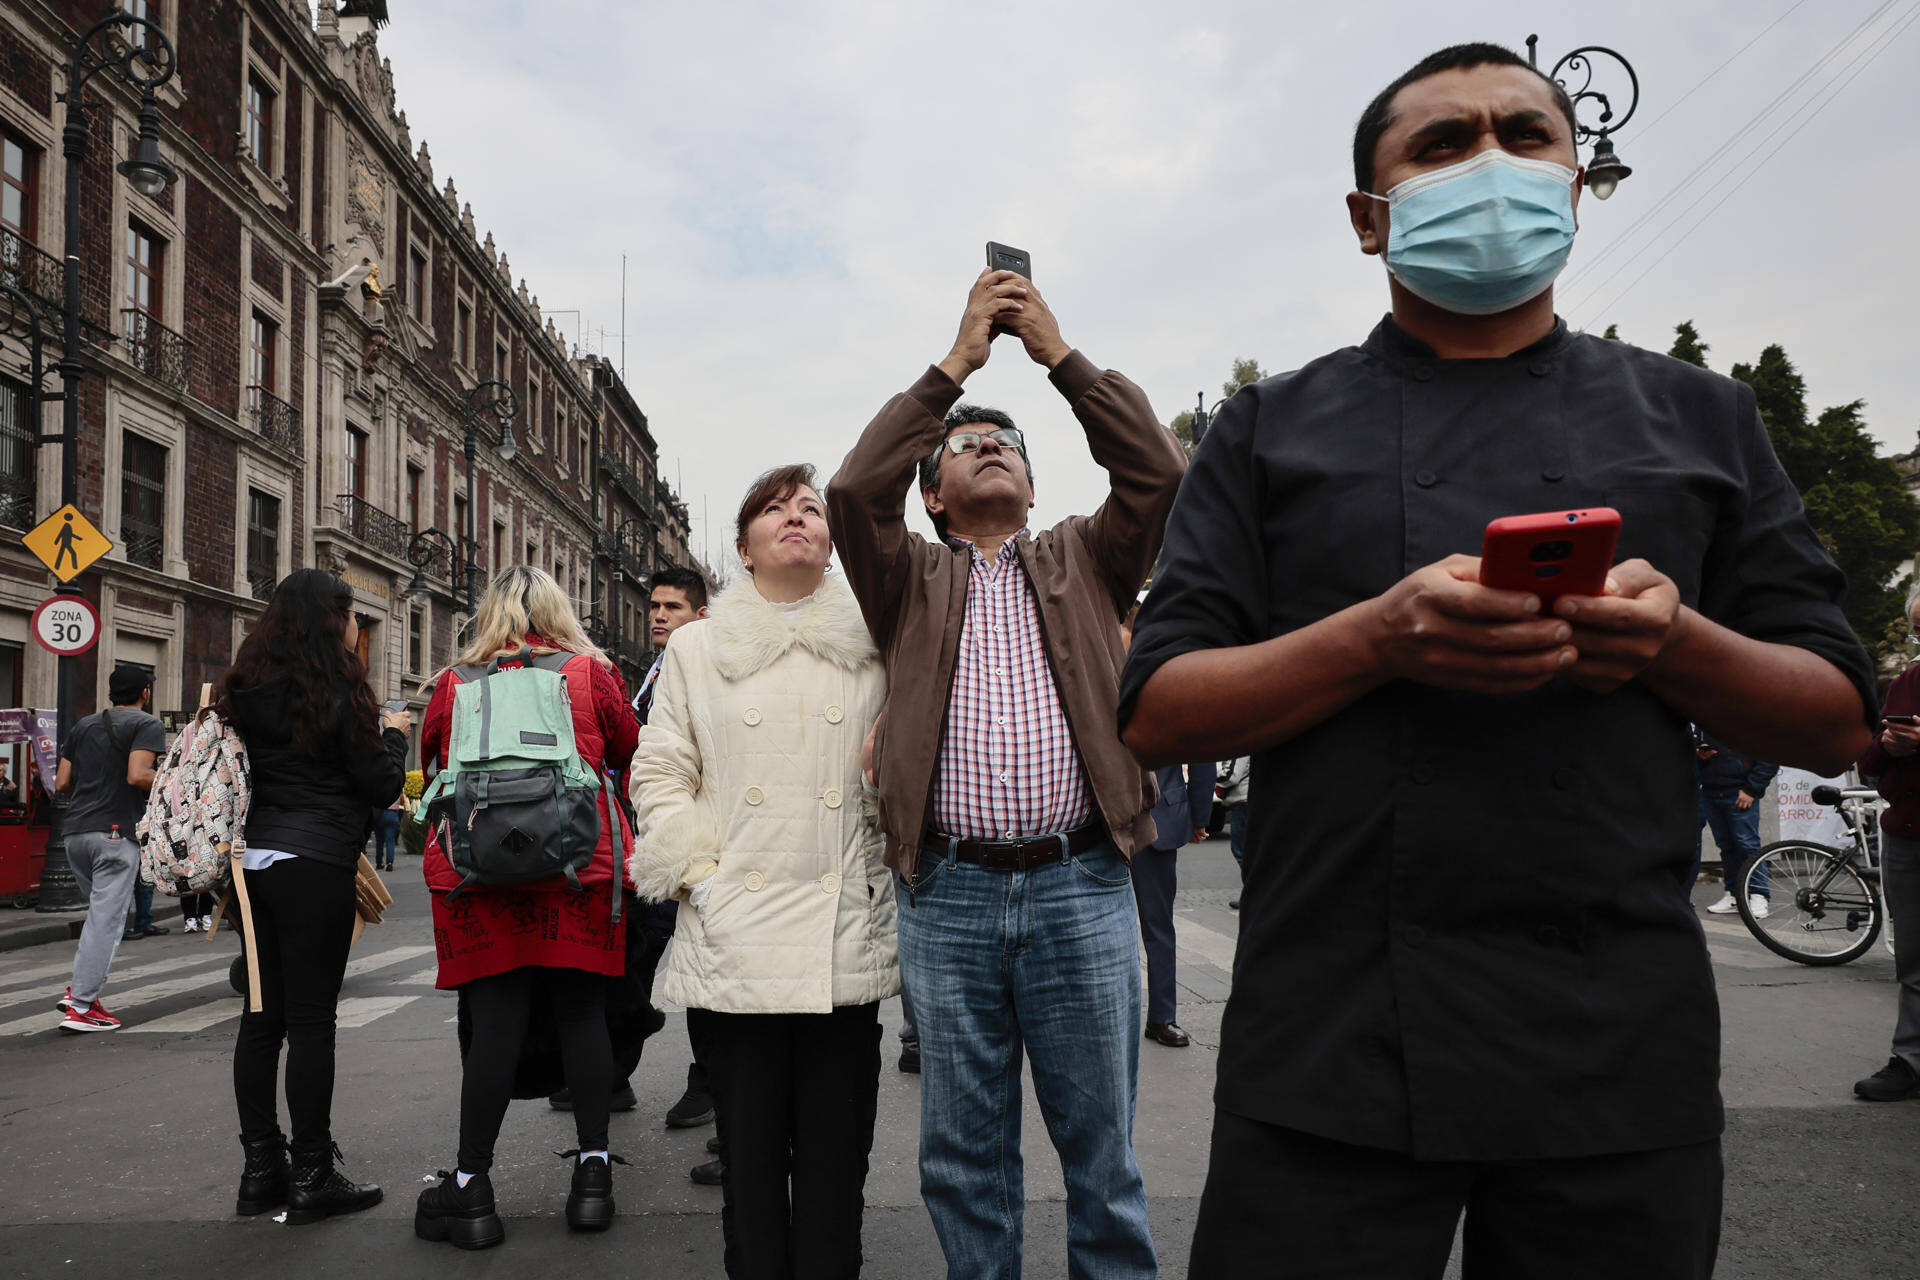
1554 553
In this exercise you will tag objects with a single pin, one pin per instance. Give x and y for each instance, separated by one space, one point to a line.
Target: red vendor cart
24 809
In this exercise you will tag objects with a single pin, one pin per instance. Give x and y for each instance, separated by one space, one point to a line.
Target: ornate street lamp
1605 170
138 52
492 399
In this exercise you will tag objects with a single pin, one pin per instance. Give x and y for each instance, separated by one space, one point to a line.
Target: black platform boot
263 1183
464 1217
590 1200
320 1191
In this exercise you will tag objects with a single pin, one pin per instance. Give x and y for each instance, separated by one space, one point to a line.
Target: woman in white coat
747 788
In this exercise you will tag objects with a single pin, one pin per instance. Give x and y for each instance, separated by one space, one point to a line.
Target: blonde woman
747 788
513 949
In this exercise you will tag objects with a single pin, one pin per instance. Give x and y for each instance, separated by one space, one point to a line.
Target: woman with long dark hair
323 757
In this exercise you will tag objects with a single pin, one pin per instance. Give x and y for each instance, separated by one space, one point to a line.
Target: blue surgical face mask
1481 236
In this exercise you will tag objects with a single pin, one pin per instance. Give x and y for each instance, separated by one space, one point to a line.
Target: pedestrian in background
386 830
1894 760
321 756
107 767
1731 785
196 912
1234 781
747 783
139 921
1010 806
507 972
1180 818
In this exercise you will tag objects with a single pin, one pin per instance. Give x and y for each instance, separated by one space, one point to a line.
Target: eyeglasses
964 442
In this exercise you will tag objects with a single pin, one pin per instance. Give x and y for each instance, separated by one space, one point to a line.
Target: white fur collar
747 634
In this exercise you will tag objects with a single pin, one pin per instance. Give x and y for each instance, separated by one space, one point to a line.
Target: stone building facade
281 346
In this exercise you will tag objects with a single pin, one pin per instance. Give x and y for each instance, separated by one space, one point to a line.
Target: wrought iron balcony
277 421
142 544
39 275
625 481
368 524
261 581
633 653
17 499
156 350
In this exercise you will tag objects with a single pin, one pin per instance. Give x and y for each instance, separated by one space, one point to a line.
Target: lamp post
1605 170
139 52
620 571
1203 416
489 399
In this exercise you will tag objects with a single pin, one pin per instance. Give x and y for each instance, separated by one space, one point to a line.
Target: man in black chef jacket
1487 807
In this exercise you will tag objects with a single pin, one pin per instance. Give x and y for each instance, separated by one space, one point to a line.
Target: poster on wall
1804 818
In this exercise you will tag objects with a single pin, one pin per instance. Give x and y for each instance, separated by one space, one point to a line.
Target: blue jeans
1046 962
1737 832
386 829
1237 834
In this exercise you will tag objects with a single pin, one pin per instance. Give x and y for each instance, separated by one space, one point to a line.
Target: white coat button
835 715
755 882
829 883
832 797
752 717
755 795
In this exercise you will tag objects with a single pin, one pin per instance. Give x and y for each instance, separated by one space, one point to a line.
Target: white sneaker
206 924
1725 907
1759 906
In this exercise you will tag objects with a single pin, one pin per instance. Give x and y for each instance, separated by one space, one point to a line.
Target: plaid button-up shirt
1008 767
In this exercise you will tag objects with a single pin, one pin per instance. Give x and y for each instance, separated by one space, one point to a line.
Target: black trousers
499 1007
1280 1203
302 926
1155 881
796 1095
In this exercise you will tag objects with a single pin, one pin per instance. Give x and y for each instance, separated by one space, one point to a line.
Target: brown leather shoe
1168 1034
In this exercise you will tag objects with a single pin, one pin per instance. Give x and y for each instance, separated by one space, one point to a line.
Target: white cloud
803 191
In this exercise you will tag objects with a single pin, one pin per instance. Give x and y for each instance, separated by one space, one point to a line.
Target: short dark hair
690 583
1378 116
963 415
776 485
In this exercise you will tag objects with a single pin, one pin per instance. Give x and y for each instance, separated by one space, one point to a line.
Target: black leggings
195 905
499 1007
302 926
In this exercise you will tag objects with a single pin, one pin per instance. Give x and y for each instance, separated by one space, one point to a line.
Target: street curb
14 937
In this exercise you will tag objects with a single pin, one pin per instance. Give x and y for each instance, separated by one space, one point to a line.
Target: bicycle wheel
1821 910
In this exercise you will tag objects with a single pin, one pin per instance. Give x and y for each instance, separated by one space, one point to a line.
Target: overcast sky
803 192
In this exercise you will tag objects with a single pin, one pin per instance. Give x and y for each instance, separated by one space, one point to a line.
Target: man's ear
932 498
1360 211
702 613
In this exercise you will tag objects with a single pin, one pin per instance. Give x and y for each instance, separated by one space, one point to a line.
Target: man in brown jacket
1008 802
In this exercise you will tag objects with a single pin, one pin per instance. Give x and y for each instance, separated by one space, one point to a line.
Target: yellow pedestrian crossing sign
67 543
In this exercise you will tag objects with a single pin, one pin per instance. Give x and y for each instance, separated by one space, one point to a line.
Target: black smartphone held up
395 707
1001 257
1908 721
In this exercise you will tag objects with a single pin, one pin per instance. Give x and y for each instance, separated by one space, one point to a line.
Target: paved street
120 1156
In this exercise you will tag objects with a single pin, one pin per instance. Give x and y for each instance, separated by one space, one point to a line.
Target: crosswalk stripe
360 1010
198 1018
157 991
38 976
122 972
1210 945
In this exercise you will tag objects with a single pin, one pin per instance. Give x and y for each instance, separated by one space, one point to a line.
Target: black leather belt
1019 855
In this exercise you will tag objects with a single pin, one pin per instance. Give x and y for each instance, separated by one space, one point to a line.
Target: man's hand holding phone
1900 739
1440 627
996 296
1038 331
1621 634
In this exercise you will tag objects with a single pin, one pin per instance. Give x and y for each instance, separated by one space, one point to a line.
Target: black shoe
710 1174
694 1109
319 1191
263 1182
155 931
1895 1082
910 1058
463 1217
713 1145
561 1099
1233 904
1168 1034
623 1099
590 1199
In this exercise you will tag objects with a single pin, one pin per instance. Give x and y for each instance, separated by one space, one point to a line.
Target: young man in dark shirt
1482 803
107 766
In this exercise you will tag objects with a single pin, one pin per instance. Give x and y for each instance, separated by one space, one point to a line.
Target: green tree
1613 333
1856 500
1687 345
1245 371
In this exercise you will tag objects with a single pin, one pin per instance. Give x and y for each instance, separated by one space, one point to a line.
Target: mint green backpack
515 803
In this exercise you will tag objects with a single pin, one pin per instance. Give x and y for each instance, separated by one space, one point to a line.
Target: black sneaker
910 1058
1895 1082
1233 903
713 1145
623 1099
464 1217
710 1174
561 1100
694 1109
590 1198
